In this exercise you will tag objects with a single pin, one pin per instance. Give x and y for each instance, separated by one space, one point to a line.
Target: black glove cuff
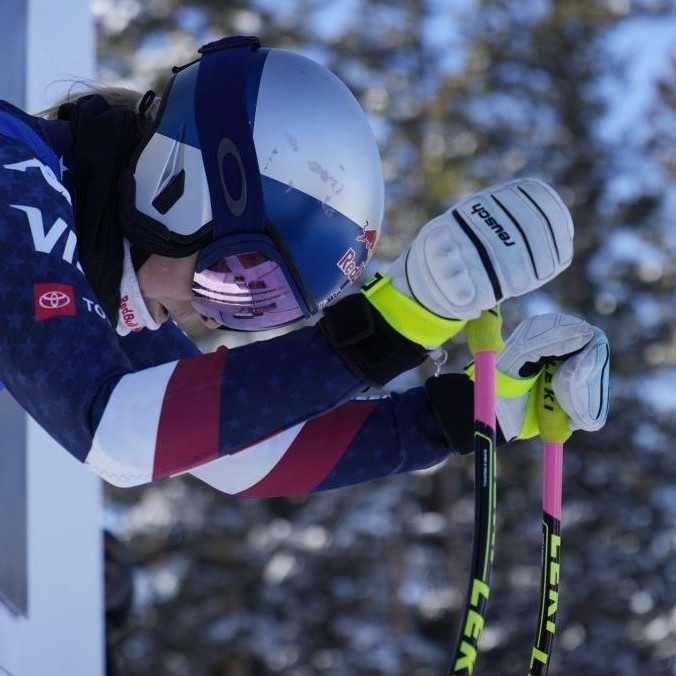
371 348
451 397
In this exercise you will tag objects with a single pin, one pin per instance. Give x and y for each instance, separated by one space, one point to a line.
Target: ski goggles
245 292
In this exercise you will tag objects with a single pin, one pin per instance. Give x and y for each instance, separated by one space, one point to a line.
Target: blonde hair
117 97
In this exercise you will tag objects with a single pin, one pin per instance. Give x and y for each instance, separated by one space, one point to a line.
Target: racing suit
273 418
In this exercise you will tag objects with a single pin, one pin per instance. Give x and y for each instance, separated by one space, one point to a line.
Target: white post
51 570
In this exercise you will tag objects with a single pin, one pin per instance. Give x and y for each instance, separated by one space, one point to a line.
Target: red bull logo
368 238
352 264
349 267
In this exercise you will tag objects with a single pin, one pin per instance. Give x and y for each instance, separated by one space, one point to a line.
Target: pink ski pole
554 431
485 341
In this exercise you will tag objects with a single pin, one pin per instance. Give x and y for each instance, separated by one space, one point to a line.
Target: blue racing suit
277 417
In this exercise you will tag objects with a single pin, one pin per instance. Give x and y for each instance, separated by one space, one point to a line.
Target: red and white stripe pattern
160 421
166 420
292 462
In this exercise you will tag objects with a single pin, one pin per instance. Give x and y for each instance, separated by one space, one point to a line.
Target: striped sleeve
262 421
356 442
167 419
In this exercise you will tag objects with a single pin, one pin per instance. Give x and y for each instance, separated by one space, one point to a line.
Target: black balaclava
104 139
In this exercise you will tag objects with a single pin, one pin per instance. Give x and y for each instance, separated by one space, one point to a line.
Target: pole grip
484 388
552 419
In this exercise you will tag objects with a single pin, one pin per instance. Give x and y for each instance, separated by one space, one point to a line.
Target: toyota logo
52 300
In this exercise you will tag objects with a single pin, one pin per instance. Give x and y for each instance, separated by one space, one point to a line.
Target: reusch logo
485 215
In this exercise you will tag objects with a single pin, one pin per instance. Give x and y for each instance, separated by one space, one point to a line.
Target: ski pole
485 340
554 432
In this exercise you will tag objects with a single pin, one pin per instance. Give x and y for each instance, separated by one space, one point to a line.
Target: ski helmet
263 161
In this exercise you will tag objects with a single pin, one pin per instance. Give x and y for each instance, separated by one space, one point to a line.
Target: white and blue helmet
264 162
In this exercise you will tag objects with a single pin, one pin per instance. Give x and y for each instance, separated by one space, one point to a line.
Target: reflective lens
247 292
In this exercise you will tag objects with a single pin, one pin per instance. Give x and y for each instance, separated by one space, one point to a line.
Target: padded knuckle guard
370 347
498 243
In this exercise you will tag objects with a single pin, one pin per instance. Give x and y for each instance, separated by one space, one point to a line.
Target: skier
250 194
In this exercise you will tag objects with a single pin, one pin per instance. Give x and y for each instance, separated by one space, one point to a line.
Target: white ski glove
501 242
580 382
